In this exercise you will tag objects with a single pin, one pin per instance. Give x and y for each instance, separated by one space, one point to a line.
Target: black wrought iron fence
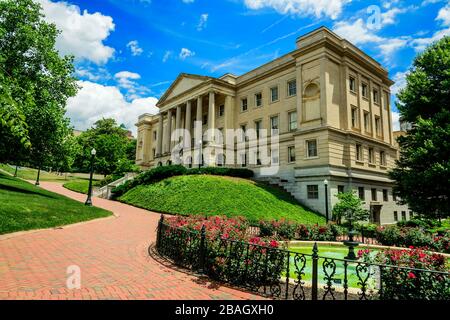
286 274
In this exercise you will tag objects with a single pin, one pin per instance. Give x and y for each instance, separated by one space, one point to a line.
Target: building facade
328 101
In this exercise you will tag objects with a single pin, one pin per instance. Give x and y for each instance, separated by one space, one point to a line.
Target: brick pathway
111 253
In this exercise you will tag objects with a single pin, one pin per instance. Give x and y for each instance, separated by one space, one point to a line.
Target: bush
266 228
288 230
405 284
369 230
389 236
230 254
164 172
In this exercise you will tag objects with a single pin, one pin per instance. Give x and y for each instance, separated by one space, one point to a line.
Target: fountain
350 243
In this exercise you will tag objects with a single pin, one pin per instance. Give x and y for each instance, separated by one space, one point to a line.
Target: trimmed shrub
389 236
160 173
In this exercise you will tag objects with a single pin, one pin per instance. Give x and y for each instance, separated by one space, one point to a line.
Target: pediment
183 83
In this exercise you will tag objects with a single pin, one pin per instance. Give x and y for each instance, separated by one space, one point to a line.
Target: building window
311 148
274 94
221 110
258 158
243 159
292 121
354 117
154 135
395 216
361 193
376 96
154 153
274 125
258 99
378 126
385 195
403 215
382 158
359 154
244 129
371 156
364 90
374 194
244 104
313 191
205 119
366 121
341 189
291 154
258 127
352 84
292 88
275 156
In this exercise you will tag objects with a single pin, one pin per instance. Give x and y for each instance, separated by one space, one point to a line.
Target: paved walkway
112 256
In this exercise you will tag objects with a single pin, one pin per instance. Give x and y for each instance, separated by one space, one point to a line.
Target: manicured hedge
164 172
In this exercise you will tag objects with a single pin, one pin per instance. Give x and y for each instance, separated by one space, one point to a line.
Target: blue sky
128 51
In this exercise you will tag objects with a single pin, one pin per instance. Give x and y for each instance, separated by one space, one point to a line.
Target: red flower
411 247
411 275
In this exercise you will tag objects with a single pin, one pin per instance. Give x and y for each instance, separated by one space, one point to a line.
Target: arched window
169 162
160 164
312 91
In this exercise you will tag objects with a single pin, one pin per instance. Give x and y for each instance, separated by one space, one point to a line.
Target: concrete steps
105 191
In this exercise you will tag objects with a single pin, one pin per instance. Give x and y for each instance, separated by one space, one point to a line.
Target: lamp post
89 200
200 143
325 182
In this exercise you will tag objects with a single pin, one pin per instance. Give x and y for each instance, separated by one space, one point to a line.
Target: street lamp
200 143
89 200
325 182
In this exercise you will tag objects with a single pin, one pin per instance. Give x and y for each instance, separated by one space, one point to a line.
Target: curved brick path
112 254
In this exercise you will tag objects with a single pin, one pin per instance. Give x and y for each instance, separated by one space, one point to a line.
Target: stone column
159 135
178 118
199 109
187 125
168 130
211 115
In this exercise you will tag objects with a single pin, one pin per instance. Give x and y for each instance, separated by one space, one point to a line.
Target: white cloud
185 53
93 74
125 80
400 82
167 55
420 44
82 34
388 17
95 101
317 8
395 121
134 47
188 1
356 32
202 23
390 46
444 15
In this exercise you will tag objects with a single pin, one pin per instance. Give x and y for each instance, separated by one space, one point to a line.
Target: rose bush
231 254
412 281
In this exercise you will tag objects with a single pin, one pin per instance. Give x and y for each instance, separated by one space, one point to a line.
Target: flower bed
399 283
231 254
287 230
413 236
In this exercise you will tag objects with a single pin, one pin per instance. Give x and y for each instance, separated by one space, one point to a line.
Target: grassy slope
213 195
24 207
80 186
30 174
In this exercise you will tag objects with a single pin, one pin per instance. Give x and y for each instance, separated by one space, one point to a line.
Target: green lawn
31 174
80 186
216 195
25 207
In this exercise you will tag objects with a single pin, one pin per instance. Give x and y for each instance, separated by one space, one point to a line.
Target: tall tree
38 82
422 174
112 145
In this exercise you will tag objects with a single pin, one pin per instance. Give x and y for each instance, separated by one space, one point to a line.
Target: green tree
422 173
36 81
112 146
349 207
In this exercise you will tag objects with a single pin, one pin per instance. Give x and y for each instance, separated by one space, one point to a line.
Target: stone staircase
105 191
286 184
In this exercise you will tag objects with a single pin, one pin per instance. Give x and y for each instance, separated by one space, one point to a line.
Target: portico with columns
196 113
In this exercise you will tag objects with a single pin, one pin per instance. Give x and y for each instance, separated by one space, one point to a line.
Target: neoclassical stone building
330 103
